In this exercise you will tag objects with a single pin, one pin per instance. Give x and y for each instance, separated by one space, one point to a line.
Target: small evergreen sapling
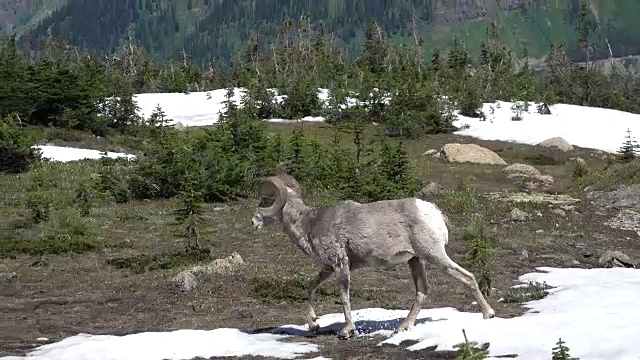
561 352
467 351
629 149
190 214
480 255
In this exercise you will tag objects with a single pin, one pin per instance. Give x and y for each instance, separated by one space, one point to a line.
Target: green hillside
206 28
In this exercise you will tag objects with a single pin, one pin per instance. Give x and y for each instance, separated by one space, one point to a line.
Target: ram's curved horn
273 187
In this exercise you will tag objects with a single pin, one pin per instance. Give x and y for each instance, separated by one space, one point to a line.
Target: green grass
290 288
530 292
149 262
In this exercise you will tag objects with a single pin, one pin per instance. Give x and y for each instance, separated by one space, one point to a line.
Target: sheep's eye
266 201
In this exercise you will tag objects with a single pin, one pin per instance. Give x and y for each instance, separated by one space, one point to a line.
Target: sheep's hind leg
343 277
323 276
419 274
466 278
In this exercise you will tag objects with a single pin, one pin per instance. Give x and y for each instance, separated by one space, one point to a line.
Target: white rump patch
433 218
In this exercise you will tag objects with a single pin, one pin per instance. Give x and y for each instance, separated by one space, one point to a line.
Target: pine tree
630 148
561 351
190 213
375 50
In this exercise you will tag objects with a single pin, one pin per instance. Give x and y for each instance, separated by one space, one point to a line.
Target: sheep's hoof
401 328
314 328
489 315
345 334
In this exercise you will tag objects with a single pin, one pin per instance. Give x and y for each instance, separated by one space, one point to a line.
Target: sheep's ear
274 188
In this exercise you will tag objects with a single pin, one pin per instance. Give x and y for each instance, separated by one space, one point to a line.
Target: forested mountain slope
205 28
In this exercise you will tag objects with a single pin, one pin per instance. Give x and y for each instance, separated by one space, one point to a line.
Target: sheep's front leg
343 277
323 276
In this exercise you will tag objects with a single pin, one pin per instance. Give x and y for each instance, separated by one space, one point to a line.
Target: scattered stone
242 313
553 199
575 262
626 219
432 152
539 231
519 215
559 212
616 259
538 213
521 169
620 196
8 276
539 183
524 255
187 280
557 142
429 191
571 208
470 153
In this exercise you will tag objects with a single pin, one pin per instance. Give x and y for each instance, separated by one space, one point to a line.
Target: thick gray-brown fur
348 236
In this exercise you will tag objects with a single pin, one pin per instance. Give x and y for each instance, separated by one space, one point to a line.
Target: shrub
16 153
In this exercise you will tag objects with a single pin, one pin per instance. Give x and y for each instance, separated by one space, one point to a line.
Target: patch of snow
592 310
174 345
193 109
66 154
583 126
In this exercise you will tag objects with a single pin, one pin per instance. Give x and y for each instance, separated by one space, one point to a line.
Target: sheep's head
273 198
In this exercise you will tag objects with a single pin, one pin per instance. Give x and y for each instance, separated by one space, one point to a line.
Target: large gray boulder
558 143
470 153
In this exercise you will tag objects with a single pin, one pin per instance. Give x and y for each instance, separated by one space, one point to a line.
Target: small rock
523 169
524 255
616 259
242 314
575 262
538 213
557 142
431 152
539 182
187 279
519 215
559 212
8 276
571 208
430 191
539 231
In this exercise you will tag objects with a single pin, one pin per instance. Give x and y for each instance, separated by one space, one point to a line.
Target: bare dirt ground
56 296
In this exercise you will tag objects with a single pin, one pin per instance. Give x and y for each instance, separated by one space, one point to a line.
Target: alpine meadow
278 179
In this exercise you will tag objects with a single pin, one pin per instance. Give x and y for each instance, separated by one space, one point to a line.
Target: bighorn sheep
349 236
